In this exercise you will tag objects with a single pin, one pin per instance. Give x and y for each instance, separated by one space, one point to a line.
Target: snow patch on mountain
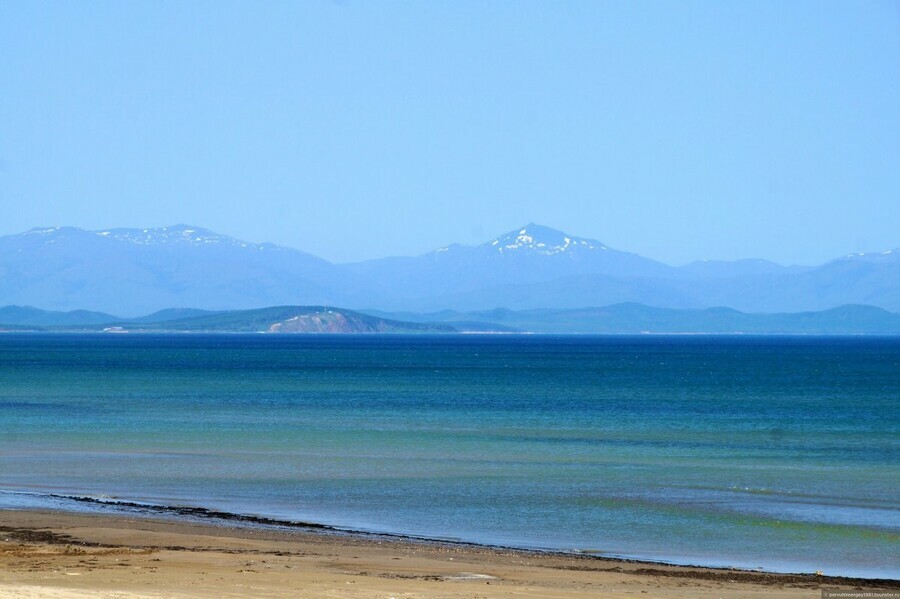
542 240
178 234
42 231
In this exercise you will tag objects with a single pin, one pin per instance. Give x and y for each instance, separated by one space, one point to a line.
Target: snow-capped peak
542 240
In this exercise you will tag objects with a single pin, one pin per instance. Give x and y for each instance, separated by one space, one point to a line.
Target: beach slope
53 554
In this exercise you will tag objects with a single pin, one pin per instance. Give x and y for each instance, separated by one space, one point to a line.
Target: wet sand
54 554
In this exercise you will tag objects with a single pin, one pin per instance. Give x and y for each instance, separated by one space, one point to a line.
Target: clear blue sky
677 130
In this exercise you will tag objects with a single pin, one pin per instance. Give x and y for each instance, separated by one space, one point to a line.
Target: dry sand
51 554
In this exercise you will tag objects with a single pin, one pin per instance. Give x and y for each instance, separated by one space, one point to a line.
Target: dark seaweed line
684 570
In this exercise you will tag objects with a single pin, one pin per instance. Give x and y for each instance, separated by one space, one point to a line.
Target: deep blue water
777 452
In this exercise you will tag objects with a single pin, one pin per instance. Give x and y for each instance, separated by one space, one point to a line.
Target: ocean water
779 452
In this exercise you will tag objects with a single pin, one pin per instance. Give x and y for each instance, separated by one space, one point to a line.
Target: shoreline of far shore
47 553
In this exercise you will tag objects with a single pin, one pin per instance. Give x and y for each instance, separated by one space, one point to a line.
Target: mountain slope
133 271
528 255
290 319
632 318
28 316
627 318
137 271
856 279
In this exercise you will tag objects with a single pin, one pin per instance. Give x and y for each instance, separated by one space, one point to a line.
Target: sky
355 130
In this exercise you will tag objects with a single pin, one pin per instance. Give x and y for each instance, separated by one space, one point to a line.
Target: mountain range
128 272
615 319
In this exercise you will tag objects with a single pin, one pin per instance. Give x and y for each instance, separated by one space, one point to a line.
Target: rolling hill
627 319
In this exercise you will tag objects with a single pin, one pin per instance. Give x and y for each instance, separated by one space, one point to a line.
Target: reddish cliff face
328 322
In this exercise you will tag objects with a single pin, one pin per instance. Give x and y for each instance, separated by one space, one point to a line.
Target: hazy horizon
679 132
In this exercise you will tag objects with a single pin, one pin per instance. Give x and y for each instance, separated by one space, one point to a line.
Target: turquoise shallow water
782 453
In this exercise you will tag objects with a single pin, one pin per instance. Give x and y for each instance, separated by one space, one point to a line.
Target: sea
772 453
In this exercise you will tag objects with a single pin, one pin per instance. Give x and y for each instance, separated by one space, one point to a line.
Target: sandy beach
53 554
